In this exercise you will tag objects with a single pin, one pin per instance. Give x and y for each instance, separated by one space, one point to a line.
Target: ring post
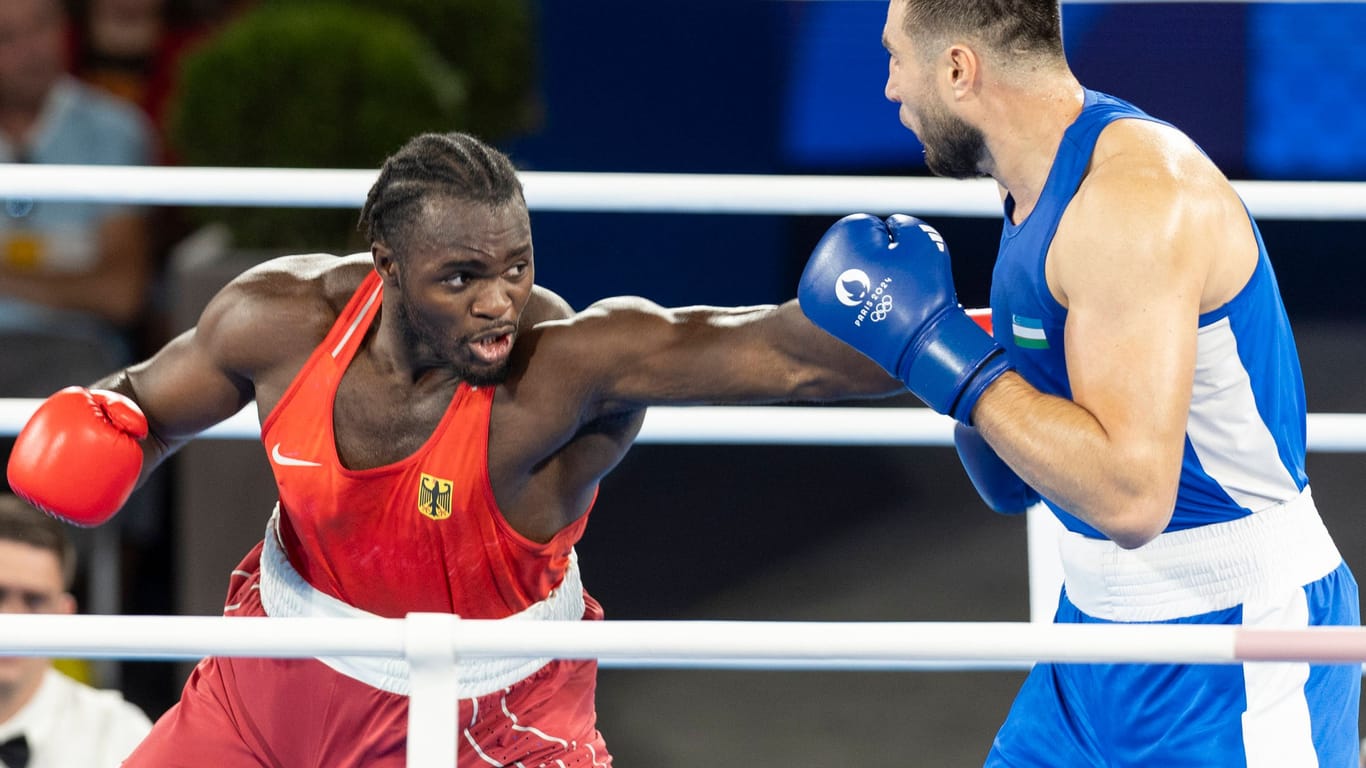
429 647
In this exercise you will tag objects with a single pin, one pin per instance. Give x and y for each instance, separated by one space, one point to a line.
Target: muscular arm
629 353
585 383
545 305
209 372
1131 264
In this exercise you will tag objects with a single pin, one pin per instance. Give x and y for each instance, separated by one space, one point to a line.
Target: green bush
315 85
490 42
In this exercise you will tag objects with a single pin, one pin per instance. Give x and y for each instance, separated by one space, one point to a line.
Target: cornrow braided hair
451 165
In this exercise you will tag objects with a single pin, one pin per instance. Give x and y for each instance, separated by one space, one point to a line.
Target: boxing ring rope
433 642
612 192
796 645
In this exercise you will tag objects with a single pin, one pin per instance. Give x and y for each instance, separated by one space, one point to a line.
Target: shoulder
291 300
618 317
1147 208
1145 180
294 282
585 344
545 305
606 313
1149 160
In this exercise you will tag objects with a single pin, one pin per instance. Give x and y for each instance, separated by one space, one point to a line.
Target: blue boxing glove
995 481
886 289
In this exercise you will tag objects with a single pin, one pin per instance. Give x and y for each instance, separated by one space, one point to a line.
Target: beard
427 341
953 148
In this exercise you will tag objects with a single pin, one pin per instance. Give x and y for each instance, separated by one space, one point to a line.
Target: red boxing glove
78 457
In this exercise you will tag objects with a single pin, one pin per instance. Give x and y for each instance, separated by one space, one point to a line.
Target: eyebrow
469 264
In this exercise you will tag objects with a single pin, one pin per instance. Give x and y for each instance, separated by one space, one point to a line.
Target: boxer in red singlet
437 427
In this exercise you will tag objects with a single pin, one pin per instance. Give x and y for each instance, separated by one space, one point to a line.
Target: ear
385 263
963 71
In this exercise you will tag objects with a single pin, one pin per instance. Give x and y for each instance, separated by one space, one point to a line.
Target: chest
377 423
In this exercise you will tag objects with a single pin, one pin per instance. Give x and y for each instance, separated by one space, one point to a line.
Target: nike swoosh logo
286 461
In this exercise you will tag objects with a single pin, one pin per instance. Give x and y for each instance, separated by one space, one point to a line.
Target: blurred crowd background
1270 91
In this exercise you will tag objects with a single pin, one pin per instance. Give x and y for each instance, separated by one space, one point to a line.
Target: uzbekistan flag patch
1028 332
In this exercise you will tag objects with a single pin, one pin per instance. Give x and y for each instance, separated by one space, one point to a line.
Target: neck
15 694
395 351
1027 126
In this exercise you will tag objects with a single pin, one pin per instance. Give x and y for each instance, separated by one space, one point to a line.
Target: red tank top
421 534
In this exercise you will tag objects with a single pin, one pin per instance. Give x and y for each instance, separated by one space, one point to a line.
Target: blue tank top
1245 436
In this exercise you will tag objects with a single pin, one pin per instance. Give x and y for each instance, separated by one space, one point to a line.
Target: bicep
206 374
185 388
1133 296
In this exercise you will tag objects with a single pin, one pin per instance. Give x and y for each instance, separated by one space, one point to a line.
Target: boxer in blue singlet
1141 379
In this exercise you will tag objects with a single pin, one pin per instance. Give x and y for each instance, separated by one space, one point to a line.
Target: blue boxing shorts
1253 715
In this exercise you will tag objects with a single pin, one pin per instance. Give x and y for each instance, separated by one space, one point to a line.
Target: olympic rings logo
883 308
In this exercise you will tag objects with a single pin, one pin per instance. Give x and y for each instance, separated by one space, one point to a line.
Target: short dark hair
21 522
1009 26
432 165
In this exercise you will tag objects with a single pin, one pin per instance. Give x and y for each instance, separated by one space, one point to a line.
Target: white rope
1138 2
685 644
773 425
611 192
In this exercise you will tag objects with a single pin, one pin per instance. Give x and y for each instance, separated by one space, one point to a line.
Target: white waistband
1198 570
285 593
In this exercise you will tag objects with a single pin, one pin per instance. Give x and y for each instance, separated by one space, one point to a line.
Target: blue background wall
766 86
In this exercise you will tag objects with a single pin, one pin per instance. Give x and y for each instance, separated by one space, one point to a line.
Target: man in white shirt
48 720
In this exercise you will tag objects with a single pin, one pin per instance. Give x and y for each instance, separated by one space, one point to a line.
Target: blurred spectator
48 720
133 49
73 276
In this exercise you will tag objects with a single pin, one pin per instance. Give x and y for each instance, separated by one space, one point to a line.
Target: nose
493 301
889 90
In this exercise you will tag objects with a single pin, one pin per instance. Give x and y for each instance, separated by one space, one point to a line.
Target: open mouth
492 349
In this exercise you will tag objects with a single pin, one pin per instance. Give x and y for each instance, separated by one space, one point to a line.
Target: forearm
1063 451
155 447
829 369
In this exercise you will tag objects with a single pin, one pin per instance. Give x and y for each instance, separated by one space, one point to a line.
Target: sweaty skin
459 305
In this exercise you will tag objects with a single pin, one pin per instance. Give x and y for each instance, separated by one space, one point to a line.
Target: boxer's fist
886 289
78 457
995 481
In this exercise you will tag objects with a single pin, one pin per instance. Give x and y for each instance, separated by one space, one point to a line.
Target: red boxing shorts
248 713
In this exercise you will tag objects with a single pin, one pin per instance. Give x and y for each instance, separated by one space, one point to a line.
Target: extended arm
630 353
